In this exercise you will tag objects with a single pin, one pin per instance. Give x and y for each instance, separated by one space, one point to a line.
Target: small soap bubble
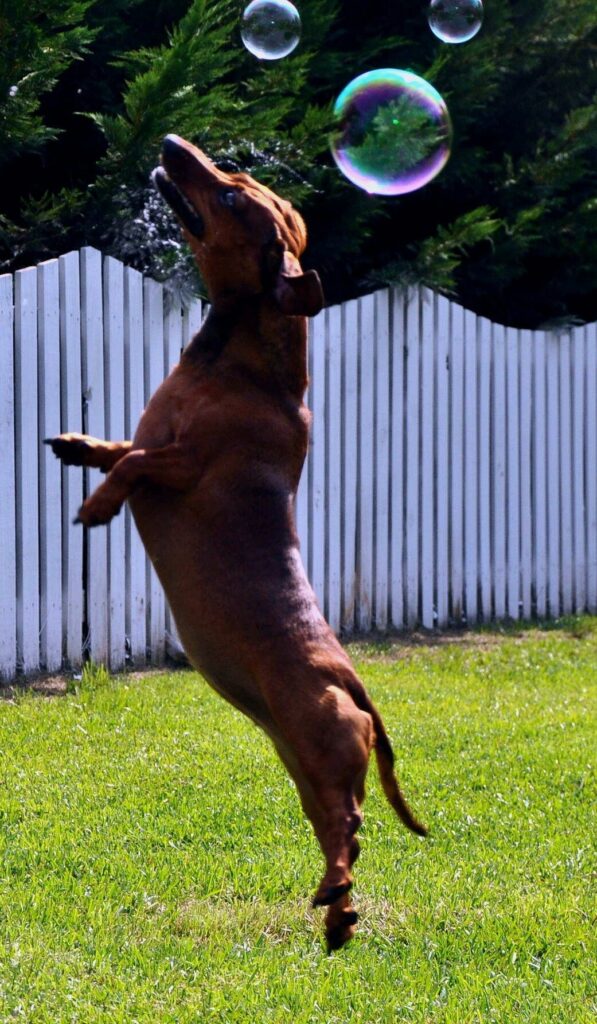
393 132
455 21
270 29
13 90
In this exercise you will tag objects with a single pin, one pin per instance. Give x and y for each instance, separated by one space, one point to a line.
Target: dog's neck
254 337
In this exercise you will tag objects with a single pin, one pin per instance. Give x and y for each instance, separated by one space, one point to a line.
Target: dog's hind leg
341 918
82 450
329 765
341 801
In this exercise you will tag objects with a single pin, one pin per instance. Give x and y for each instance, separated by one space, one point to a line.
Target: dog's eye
228 198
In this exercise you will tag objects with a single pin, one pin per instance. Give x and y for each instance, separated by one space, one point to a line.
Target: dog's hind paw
328 894
340 932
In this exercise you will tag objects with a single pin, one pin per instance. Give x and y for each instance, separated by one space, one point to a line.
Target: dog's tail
385 757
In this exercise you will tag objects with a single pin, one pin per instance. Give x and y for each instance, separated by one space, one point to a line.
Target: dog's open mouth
178 202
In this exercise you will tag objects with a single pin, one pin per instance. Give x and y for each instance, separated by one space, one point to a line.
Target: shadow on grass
368 646
578 627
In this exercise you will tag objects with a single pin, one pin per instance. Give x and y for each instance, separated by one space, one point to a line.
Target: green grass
155 867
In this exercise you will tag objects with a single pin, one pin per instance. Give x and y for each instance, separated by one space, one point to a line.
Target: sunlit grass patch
155 865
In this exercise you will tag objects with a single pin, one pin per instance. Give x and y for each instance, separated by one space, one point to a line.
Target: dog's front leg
82 450
172 466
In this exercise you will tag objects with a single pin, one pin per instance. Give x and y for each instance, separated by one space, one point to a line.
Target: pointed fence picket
8 573
97 582
50 526
134 374
71 418
27 469
451 476
590 462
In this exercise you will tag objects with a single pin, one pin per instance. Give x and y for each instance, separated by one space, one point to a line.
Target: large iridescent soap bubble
455 21
270 29
393 132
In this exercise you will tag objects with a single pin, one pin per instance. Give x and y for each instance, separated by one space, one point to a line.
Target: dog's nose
180 154
183 160
172 145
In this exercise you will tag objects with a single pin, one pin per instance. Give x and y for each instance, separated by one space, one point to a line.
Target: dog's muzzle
178 202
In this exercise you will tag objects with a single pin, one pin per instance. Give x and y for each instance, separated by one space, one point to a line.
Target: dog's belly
238 592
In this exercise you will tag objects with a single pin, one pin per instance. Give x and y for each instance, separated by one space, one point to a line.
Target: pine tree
38 41
508 226
204 85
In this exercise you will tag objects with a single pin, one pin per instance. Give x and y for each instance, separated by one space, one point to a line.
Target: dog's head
246 240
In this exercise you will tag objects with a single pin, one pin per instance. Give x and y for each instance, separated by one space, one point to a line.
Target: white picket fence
452 475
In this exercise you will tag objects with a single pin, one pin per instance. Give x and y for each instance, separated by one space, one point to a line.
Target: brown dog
211 477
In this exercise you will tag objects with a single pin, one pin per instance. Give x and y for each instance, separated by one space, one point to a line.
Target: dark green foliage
509 226
38 41
435 261
43 222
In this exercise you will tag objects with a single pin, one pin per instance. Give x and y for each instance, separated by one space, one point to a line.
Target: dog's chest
218 417
181 407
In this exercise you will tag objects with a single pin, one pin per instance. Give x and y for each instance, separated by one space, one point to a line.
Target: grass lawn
155 867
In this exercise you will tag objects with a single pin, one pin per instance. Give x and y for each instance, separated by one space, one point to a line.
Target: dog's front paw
71 449
98 510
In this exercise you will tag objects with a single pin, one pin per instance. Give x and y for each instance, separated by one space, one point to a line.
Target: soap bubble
393 132
270 29
455 21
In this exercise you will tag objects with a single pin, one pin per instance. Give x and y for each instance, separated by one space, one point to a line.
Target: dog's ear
297 294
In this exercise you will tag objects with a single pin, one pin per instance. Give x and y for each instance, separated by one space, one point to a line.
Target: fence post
499 519
453 470
553 477
350 337
485 454
27 469
114 390
72 479
97 585
565 476
8 562
540 421
366 463
318 457
398 451
470 457
512 474
590 464
443 377
427 458
50 518
381 368
334 497
153 332
526 520
456 516
134 376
